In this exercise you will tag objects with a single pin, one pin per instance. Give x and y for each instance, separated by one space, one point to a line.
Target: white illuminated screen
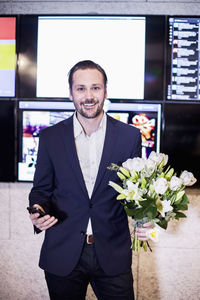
116 43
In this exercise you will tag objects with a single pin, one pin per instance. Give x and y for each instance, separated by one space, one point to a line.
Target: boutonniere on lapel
151 192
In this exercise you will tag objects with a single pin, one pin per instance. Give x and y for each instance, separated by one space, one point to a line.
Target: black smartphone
34 210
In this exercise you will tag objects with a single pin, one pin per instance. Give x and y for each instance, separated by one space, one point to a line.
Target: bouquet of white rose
150 192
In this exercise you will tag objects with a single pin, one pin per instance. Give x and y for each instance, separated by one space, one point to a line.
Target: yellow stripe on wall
7 56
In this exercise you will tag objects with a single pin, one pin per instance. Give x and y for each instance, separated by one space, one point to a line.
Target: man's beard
88 114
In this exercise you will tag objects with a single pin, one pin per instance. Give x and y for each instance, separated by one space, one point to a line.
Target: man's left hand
141 231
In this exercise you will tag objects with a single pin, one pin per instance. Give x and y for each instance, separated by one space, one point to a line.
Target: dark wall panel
182 137
7 141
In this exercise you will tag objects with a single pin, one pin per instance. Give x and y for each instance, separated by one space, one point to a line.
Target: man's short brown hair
86 64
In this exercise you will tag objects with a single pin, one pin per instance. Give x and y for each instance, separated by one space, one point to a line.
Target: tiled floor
171 271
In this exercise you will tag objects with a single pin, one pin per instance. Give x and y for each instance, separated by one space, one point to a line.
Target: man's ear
70 95
105 93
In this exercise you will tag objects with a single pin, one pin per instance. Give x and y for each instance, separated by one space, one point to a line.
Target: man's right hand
42 223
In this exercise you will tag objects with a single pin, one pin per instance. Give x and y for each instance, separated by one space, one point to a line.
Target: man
87 237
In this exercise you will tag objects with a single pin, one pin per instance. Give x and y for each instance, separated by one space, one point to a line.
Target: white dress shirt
89 150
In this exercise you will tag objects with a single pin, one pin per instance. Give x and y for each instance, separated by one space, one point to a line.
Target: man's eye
96 88
80 89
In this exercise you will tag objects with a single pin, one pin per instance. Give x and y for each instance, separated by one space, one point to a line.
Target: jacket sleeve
137 150
43 182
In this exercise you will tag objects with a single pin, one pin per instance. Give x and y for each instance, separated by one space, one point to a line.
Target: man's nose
89 94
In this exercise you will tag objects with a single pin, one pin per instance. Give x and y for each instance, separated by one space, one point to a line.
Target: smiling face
88 92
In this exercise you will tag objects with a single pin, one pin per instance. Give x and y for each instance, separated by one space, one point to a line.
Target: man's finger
148 224
43 219
34 216
47 224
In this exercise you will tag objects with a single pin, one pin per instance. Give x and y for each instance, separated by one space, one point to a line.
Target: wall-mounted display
7 56
184 48
129 48
146 117
37 115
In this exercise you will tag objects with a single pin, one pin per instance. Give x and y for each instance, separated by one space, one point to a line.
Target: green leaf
183 200
130 212
180 207
163 223
183 204
180 215
179 196
148 209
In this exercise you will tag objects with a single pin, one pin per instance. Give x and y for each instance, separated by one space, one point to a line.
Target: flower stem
149 246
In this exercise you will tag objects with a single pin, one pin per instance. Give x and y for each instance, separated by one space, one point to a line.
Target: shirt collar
78 129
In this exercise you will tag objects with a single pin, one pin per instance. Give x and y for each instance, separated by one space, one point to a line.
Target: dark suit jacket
59 187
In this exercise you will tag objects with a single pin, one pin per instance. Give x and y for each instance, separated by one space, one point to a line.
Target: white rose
136 164
150 164
158 157
160 185
188 178
175 183
150 167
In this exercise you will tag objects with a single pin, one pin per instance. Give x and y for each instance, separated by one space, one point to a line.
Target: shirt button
91 205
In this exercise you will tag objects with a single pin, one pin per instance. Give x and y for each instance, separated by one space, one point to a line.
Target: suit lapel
108 149
70 147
